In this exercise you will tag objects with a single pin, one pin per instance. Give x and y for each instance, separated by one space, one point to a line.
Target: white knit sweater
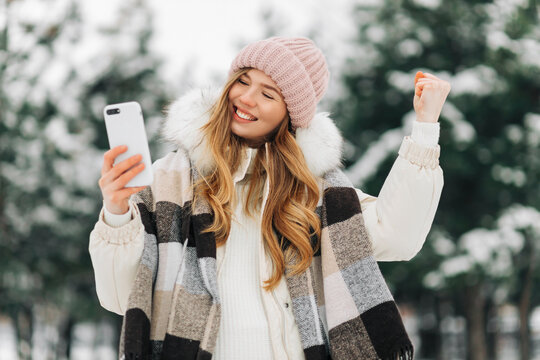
238 282
249 335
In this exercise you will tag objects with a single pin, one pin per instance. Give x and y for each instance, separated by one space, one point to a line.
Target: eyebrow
265 85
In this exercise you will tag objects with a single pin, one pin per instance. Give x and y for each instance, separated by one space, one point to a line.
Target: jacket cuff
425 133
116 220
426 156
119 235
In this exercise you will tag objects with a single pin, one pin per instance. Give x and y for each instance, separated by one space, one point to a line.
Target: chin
247 137
239 131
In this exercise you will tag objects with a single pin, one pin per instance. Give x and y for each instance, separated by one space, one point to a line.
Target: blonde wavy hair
290 227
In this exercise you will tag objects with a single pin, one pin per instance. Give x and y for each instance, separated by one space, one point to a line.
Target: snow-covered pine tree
58 71
488 50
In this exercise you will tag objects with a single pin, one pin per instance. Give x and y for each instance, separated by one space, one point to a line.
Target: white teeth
244 116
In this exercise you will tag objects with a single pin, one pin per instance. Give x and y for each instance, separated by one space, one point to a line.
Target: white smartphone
125 126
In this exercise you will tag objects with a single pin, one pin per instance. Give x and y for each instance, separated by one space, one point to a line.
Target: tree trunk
525 304
493 332
474 307
64 344
24 325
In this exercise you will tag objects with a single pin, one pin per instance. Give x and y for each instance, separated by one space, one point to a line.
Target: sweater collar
321 142
246 165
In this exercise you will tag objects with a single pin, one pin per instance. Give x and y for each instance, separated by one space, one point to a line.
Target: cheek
233 92
279 113
273 117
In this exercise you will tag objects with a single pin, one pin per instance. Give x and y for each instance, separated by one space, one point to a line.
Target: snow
57 133
480 80
410 47
44 214
403 81
368 3
375 33
387 144
535 320
508 317
462 130
28 127
514 133
508 175
443 245
36 62
425 35
69 106
24 12
378 151
456 265
9 120
532 125
492 249
26 179
93 341
54 74
518 216
487 250
18 89
31 11
82 170
453 325
532 122
497 39
97 104
429 4
434 280
501 294
8 350
3 19
362 59
527 48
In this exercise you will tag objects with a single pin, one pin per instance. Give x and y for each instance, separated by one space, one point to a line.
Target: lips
243 115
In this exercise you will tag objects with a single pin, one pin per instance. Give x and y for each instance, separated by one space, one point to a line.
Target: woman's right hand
114 179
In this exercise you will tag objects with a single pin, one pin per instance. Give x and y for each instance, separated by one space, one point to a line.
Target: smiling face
256 105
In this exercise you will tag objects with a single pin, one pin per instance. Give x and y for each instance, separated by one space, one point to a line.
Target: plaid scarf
341 303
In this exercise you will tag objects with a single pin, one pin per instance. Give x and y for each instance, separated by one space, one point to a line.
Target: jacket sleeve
116 253
399 219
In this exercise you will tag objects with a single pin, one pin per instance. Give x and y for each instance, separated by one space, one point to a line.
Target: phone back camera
113 111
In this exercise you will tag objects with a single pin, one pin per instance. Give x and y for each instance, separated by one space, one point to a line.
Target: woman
251 243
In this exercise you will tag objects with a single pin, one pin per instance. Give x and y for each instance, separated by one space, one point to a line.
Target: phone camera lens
113 111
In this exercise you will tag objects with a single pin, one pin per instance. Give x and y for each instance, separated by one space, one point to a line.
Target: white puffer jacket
398 221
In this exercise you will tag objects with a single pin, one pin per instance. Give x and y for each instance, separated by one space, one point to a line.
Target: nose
247 99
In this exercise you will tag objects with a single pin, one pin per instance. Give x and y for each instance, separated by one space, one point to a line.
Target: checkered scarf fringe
341 303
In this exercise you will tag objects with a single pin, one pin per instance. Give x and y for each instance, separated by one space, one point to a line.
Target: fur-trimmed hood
321 142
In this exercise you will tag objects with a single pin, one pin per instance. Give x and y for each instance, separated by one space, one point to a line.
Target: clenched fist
430 93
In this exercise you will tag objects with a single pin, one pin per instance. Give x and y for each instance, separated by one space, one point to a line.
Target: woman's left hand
430 93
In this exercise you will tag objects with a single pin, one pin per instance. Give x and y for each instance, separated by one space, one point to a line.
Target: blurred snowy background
472 292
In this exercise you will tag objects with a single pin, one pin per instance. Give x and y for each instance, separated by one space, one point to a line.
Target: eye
268 96
242 82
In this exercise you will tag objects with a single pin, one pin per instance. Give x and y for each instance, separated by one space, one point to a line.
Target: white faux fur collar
321 142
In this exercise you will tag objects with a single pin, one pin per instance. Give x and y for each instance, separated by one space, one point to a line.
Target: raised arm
400 218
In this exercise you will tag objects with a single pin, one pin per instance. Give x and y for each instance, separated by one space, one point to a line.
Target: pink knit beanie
298 68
